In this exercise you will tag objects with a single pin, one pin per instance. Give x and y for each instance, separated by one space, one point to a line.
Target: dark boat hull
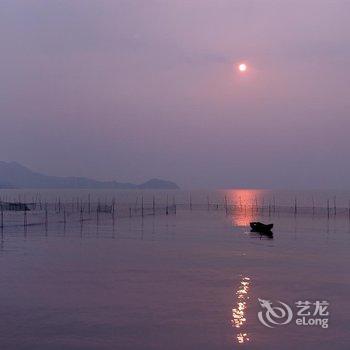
260 227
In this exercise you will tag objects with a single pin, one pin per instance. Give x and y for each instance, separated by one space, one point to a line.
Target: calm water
190 281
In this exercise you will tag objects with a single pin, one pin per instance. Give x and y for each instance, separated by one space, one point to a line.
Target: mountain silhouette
15 175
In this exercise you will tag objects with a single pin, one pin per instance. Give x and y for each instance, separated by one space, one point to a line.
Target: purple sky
134 89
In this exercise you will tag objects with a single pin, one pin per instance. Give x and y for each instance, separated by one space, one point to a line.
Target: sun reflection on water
239 310
245 203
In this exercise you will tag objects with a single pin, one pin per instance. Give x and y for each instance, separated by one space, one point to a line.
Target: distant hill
15 175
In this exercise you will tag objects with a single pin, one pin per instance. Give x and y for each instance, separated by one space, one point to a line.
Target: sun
242 67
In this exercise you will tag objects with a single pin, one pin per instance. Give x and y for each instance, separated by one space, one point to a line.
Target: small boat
260 227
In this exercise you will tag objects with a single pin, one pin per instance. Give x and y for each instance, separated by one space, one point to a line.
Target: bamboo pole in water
142 213
328 208
25 217
64 215
113 211
81 215
263 205
2 216
46 216
113 216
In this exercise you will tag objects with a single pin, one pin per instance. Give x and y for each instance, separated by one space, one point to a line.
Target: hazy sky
134 89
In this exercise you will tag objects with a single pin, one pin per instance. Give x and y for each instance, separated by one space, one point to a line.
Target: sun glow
242 67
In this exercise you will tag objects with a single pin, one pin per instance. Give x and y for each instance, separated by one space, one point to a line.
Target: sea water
194 280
